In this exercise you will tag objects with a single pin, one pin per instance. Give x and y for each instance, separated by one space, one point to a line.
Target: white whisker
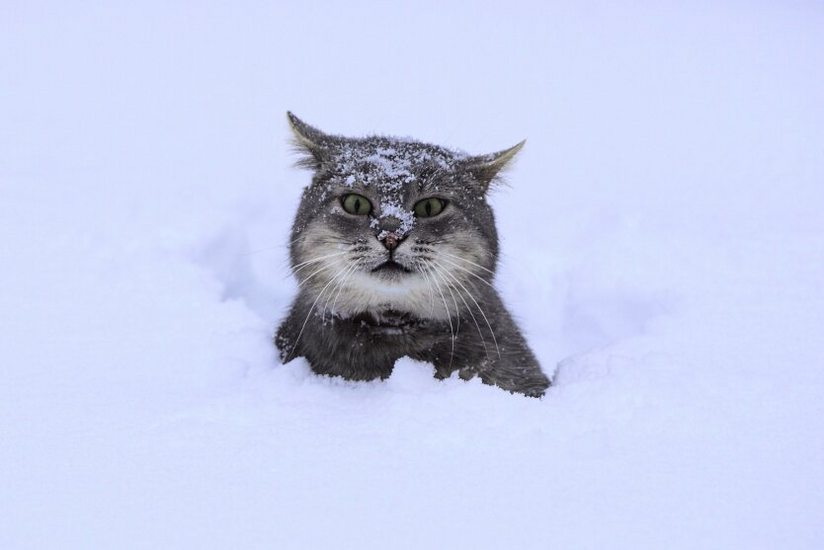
309 313
449 318
478 305
339 288
302 265
463 260
422 271
484 281
468 309
339 276
327 266
449 287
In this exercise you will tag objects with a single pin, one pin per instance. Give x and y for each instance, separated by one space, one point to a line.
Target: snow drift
662 241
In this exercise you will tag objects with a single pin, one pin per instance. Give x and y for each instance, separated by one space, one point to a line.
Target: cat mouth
387 320
391 268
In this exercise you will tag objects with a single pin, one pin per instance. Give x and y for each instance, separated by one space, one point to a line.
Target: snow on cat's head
392 225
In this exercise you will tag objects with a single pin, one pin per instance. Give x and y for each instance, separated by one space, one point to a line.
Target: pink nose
390 241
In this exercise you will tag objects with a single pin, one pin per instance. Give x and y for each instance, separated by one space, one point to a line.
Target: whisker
479 307
273 247
301 265
296 239
463 260
346 279
323 239
449 287
420 267
487 283
286 245
468 309
327 266
339 288
449 317
259 250
309 313
337 277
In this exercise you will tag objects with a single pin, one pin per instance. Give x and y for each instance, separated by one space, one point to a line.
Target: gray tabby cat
395 248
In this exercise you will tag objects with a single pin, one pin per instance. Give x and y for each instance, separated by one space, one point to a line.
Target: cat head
393 225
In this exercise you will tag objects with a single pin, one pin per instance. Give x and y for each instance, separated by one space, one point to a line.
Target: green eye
429 207
356 204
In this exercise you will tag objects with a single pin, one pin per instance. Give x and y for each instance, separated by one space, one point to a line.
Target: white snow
389 169
663 240
392 209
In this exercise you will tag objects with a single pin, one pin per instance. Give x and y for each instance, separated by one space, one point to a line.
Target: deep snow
663 244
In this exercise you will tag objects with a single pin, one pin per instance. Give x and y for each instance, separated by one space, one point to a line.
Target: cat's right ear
487 167
309 142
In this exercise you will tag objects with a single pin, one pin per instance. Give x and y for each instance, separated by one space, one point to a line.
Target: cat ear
310 142
487 167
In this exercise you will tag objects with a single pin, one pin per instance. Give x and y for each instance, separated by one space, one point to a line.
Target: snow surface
663 242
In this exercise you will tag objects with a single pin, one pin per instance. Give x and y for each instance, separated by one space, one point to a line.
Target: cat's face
394 229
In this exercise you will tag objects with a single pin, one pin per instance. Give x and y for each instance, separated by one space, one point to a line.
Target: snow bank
662 244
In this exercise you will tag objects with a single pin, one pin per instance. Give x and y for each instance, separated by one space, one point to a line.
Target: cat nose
390 235
390 240
390 223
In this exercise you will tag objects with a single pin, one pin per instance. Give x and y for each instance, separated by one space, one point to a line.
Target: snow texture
387 163
662 245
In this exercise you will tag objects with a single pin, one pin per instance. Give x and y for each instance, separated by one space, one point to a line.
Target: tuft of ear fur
487 167
309 142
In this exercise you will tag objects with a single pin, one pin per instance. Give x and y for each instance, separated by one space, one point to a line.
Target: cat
395 248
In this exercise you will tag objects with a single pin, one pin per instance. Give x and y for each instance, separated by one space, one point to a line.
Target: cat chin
410 294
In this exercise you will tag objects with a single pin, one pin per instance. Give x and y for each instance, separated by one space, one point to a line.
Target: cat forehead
390 163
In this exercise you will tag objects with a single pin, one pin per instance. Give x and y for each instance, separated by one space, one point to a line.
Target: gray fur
354 319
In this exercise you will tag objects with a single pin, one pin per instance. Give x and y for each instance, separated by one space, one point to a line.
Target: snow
662 244
386 163
392 209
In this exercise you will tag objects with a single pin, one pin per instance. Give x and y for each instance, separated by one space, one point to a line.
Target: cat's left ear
486 168
311 142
